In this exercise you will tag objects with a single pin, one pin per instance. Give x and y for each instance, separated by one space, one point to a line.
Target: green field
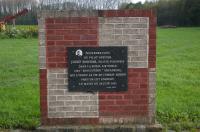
24 27
178 76
19 89
178 80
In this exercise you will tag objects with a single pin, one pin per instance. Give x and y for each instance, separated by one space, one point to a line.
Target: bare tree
13 6
9 7
80 4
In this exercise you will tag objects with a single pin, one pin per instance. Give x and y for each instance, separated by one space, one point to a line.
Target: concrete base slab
102 128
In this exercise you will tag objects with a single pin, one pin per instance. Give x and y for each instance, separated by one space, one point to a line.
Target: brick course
68 32
132 103
127 31
63 33
62 103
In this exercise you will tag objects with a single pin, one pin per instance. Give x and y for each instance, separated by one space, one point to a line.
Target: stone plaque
97 69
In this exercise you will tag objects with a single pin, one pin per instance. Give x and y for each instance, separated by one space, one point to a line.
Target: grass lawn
178 76
24 27
19 89
178 80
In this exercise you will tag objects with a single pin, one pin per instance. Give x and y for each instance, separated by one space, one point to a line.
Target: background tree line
169 12
172 12
9 7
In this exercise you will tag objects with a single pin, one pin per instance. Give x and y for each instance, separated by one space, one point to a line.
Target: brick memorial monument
98 68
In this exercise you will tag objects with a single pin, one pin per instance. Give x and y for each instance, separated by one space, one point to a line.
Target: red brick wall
60 34
152 41
83 31
68 32
133 102
43 94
